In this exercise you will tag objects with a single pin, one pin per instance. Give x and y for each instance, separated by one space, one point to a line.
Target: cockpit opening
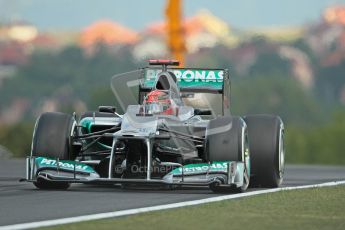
163 83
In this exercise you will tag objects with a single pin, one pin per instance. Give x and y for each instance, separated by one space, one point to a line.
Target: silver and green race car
175 130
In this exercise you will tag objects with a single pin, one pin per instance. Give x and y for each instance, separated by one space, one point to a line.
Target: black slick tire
266 143
52 139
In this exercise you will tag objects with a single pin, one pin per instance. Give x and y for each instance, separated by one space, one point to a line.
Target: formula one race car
176 130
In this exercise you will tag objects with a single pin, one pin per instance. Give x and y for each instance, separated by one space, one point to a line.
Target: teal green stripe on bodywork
87 124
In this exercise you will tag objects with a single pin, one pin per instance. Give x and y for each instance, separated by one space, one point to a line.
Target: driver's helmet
159 102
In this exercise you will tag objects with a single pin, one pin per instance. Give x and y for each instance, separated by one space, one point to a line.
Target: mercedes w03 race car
175 129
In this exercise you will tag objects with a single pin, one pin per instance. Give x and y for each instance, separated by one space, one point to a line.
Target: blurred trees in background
67 77
318 144
17 137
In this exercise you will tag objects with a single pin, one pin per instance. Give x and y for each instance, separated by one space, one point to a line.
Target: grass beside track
316 208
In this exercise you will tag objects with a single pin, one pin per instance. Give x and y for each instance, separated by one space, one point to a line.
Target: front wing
226 173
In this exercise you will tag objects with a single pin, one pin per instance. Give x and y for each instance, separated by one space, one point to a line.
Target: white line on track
69 220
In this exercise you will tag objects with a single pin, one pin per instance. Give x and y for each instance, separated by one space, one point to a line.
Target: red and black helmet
159 102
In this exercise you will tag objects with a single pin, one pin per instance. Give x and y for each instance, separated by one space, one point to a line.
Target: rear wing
131 87
189 79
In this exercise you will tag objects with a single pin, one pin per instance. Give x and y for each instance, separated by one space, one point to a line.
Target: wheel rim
245 180
281 160
246 154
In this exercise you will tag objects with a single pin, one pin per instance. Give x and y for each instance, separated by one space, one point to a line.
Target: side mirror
202 112
106 109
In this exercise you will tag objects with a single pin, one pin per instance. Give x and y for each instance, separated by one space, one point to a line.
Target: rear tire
52 139
266 142
226 140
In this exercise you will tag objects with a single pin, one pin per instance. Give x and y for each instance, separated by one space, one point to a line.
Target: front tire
266 142
226 140
52 139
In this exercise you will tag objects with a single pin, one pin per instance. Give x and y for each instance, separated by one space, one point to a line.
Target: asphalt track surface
21 202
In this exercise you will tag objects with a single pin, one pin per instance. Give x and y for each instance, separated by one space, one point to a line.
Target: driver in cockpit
160 102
